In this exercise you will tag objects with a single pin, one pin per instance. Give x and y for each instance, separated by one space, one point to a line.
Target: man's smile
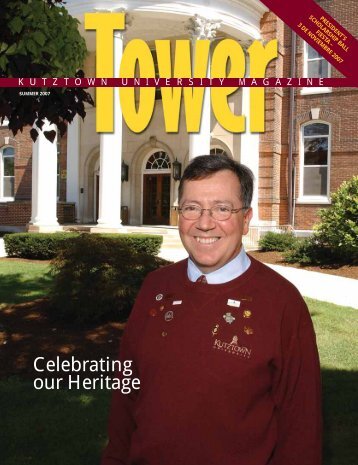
206 240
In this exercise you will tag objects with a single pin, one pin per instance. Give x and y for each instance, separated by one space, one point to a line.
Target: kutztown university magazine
271 84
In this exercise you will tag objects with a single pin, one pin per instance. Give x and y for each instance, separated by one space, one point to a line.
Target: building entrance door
156 198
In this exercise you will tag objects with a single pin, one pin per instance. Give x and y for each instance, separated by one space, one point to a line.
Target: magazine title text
228 60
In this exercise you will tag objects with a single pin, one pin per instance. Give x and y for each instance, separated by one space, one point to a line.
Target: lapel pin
246 313
229 318
233 303
152 312
168 316
159 297
177 302
248 330
215 330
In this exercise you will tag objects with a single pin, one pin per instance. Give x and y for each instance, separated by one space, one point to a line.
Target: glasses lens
191 212
221 213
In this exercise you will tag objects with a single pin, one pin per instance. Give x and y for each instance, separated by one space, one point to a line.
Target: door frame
160 177
145 171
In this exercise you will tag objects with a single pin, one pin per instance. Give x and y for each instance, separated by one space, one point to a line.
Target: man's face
211 243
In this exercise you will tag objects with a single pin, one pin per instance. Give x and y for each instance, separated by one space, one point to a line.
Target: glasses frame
231 211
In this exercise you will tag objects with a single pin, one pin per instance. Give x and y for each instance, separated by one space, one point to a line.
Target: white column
44 183
249 152
73 160
199 143
111 160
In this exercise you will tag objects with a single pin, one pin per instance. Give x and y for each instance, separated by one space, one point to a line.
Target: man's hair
205 166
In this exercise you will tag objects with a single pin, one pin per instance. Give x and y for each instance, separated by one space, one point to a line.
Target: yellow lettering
260 57
105 24
193 96
228 53
137 119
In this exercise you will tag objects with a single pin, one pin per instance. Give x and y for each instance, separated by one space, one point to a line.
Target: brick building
309 132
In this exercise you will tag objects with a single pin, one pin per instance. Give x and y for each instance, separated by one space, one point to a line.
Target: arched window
158 161
315 162
7 172
218 151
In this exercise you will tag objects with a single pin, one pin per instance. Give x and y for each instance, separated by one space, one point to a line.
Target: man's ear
247 219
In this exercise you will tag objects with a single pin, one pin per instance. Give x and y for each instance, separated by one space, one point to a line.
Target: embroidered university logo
233 347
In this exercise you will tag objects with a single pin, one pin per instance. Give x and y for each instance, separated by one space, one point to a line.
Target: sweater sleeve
121 424
297 390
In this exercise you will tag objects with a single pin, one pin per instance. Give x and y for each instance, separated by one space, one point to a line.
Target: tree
335 237
40 38
338 228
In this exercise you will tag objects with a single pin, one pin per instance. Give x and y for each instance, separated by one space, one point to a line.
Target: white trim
2 197
96 172
314 199
313 90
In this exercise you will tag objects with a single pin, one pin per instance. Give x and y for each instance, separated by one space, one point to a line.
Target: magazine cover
178 180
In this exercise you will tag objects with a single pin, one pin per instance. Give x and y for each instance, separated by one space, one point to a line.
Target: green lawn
336 329
23 280
68 427
64 427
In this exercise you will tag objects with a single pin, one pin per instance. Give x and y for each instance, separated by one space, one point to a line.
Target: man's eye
222 209
190 208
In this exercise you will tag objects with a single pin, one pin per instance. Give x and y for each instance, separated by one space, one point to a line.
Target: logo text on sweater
232 347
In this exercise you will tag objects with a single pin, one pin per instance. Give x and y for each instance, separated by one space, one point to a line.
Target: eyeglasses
218 213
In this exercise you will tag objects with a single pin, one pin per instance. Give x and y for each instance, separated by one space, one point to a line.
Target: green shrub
338 228
335 239
308 252
41 246
97 278
145 243
273 241
37 246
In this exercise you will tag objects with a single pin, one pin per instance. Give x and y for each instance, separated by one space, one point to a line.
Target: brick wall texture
339 108
18 212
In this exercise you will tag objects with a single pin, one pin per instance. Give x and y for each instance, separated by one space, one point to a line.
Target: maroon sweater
222 382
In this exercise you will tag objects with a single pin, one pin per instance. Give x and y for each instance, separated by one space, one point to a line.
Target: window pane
316 129
317 68
312 53
158 161
313 69
218 151
9 186
8 151
8 166
316 151
324 69
315 181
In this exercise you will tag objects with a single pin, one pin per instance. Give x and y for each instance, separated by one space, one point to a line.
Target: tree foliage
335 237
97 278
40 39
338 228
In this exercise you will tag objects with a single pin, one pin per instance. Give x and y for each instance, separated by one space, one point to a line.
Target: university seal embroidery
232 348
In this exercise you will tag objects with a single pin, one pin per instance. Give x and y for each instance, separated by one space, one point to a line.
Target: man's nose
206 221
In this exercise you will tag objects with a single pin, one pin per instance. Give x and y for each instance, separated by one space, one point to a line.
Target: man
224 347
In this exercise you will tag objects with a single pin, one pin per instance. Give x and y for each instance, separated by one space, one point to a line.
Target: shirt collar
231 270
